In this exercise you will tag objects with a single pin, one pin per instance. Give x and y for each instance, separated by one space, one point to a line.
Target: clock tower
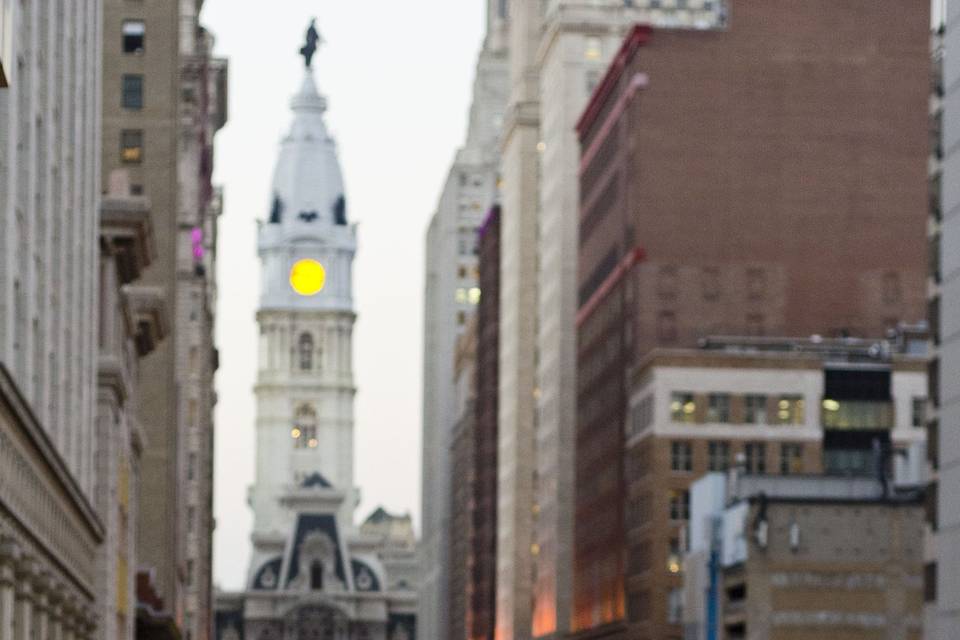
305 386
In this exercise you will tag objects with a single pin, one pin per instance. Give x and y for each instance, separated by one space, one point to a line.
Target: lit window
474 295
790 410
674 560
134 33
131 146
755 409
719 455
461 295
718 407
132 91
304 431
681 457
592 48
683 408
791 459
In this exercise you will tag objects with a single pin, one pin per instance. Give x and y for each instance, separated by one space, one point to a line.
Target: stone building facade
452 293
943 569
659 267
559 50
164 98
51 535
802 557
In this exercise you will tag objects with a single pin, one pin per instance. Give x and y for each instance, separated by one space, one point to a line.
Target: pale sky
398 77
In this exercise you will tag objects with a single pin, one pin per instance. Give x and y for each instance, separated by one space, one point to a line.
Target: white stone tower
305 386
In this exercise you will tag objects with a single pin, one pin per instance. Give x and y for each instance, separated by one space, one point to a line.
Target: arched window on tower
305 346
304 430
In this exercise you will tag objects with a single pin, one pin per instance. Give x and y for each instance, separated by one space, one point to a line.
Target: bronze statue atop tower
313 41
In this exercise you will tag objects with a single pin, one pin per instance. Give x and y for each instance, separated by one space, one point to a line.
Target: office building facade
740 265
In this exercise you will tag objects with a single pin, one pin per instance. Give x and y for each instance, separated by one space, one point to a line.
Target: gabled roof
316 480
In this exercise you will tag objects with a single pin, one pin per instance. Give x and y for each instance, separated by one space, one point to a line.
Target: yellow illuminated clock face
307 277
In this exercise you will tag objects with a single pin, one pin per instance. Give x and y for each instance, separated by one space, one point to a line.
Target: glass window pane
131 146
683 408
132 91
134 35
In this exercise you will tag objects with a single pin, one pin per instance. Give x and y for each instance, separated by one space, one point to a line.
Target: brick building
764 179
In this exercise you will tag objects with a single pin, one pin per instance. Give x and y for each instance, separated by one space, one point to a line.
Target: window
191 466
756 457
473 295
461 318
305 346
756 284
675 558
667 327
892 293
679 504
710 283
919 412
304 430
718 407
667 283
191 516
675 606
131 146
683 408
755 325
641 416
134 33
681 457
132 91
189 573
461 295
755 409
316 575
461 272
790 410
791 459
719 455
592 48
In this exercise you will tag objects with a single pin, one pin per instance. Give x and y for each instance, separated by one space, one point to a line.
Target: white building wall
49 200
451 295
948 531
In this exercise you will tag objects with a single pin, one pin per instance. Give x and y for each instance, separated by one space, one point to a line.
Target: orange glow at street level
307 277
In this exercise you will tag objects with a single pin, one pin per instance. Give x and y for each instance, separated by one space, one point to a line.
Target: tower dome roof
307 183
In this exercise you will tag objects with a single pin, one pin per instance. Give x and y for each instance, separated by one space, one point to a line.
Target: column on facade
41 610
55 603
26 572
68 618
9 554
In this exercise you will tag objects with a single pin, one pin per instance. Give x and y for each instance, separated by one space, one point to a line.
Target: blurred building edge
818 555
133 320
163 99
51 536
451 297
942 591
6 42
462 480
